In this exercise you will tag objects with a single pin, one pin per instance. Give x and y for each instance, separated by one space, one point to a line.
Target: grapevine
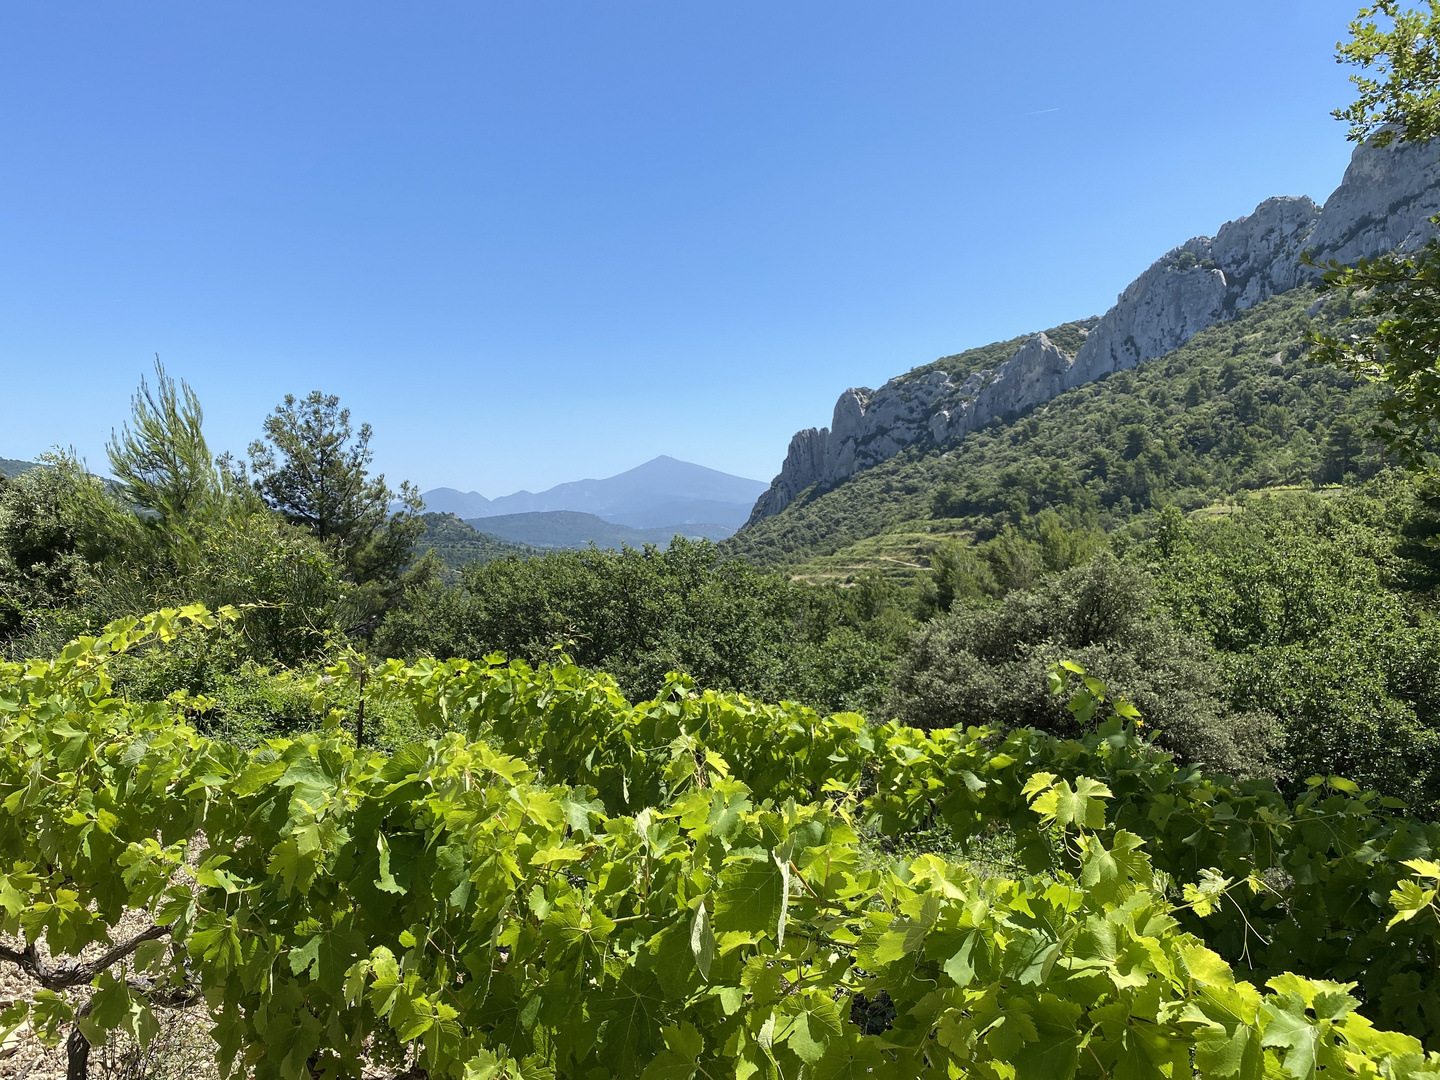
558 884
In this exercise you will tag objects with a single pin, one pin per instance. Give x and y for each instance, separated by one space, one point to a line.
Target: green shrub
639 615
987 666
1300 595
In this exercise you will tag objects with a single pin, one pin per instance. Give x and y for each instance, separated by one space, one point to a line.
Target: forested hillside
571 529
1238 408
457 544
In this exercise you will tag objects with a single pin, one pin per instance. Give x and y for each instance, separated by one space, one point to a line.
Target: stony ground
183 1049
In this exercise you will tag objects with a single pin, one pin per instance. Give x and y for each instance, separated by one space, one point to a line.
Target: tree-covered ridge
577 530
458 544
1067 337
1236 408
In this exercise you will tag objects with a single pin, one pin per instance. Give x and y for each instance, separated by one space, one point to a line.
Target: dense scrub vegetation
1321 612
638 615
988 665
73 556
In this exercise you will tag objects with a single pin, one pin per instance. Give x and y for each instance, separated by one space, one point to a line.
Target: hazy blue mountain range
646 505
663 493
462 504
571 529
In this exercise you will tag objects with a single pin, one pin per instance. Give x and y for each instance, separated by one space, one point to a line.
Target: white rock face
871 426
1260 253
803 464
1384 203
1036 373
1163 307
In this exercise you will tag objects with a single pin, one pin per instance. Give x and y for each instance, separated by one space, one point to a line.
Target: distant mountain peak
663 491
462 504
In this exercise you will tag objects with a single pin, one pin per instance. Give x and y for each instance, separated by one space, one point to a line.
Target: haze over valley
646 504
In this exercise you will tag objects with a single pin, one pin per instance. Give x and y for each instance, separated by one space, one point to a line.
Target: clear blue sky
537 241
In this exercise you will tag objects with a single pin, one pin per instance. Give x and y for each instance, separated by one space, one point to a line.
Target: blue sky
537 241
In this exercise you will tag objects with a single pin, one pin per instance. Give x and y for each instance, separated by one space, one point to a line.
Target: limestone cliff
1384 203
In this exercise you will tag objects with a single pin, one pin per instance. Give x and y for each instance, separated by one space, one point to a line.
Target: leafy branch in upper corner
1402 47
1393 335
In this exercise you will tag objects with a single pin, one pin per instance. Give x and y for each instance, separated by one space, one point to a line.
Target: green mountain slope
11 467
572 529
457 543
1237 407
1067 337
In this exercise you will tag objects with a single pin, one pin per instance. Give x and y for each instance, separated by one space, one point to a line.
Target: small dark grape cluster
872 1015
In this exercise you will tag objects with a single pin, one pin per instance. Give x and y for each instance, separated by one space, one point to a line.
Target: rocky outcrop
1384 203
871 426
867 427
1036 373
804 464
1196 285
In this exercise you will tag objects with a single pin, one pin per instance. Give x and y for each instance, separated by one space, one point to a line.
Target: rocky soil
183 1050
